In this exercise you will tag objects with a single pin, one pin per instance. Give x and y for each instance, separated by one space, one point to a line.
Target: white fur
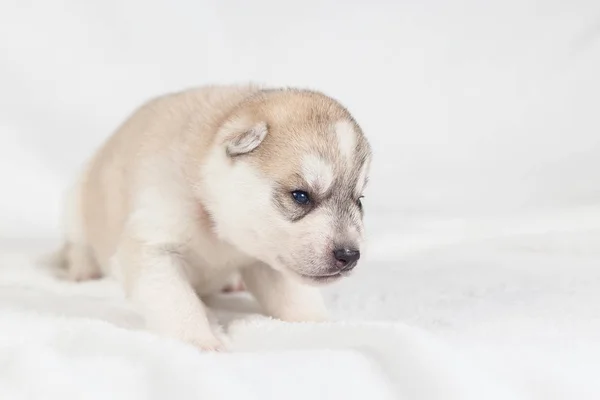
76 252
162 206
282 297
182 213
74 231
362 178
354 234
166 298
258 230
346 136
223 186
165 261
317 172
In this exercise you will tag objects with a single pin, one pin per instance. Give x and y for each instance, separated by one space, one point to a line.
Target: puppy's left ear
247 140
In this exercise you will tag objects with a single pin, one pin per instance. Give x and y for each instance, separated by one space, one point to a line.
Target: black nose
346 258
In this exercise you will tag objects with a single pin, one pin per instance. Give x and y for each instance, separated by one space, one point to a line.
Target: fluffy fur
196 186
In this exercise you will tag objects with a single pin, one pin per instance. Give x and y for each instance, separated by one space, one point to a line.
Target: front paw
303 315
207 344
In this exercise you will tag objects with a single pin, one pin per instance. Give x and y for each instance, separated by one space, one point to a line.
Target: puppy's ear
246 140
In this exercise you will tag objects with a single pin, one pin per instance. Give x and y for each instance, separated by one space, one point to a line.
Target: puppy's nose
345 259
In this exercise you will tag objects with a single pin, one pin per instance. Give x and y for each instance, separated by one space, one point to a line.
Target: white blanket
509 318
72 341
472 108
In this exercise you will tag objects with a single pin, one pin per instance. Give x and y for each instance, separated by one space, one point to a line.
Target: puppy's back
151 136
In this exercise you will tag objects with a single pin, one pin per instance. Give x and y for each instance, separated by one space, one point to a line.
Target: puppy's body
198 185
142 169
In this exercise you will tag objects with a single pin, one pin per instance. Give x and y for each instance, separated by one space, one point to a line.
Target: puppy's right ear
245 140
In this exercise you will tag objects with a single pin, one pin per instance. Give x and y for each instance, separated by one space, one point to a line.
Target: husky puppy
201 184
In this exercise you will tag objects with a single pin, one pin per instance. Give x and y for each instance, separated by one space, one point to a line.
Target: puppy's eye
301 197
359 202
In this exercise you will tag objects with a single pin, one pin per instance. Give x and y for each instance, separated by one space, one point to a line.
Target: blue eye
300 197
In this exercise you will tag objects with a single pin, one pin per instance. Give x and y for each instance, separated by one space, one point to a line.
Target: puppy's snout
346 259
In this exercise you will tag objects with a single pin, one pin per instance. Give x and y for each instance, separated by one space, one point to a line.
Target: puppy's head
284 183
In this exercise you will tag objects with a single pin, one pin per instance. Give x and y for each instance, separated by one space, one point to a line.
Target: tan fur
153 131
194 187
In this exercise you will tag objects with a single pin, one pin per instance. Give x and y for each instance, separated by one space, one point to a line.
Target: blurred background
478 111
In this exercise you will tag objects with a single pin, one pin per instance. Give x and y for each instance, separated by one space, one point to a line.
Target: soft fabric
514 316
483 274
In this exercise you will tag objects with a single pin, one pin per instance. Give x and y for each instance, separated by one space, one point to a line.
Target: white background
485 121
472 107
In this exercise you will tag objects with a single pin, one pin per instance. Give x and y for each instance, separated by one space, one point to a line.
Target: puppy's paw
208 344
300 315
205 342
77 265
76 274
80 275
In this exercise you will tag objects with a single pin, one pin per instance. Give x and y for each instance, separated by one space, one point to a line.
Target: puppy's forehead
317 172
347 139
336 156
311 135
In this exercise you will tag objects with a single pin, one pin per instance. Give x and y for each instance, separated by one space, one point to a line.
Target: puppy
201 184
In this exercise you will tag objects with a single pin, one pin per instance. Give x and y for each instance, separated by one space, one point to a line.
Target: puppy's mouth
322 278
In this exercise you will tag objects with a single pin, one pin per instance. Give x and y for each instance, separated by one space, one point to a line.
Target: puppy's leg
155 281
282 297
80 265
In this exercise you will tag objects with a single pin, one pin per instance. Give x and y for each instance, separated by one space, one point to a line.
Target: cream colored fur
192 189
